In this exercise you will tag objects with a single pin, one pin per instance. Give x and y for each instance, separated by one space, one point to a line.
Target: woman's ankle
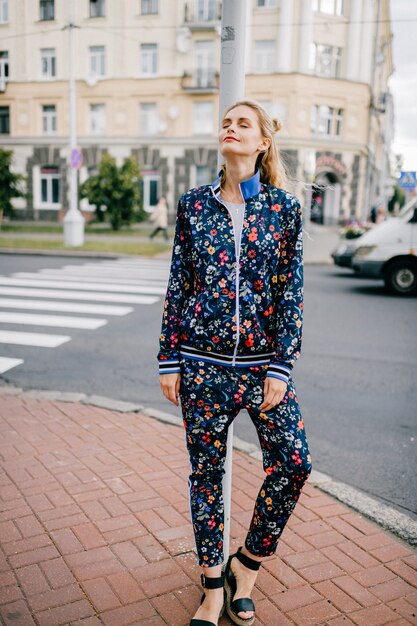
246 552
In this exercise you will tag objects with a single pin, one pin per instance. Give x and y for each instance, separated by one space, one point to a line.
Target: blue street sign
408 180
76 158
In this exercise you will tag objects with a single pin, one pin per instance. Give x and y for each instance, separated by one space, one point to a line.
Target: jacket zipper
237 271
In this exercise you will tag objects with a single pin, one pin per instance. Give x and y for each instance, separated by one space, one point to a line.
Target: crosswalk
82 297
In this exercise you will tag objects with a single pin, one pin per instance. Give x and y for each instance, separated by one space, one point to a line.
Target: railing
200 81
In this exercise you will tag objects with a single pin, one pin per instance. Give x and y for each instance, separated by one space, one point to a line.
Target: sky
403 82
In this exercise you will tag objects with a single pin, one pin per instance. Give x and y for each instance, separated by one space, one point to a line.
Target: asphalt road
355 379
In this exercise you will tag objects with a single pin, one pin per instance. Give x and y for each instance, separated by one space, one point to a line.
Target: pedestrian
231 332
160 218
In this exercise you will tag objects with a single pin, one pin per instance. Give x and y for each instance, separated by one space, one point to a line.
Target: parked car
389 252
343 254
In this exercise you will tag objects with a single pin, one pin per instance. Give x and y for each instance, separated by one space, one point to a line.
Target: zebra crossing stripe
64 321
65 307
39 340
76 295
7 363
56 284
97 279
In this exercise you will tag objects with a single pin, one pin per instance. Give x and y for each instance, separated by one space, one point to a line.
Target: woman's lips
230 139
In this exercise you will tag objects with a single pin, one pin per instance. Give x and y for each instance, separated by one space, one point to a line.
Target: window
206 10
149 59
202 175
48 63
332 7
4 65
49 119
97 61
264 56
325 60
4 121
49 184
98 119
266 3
326 121
148 118
97 8
150 188
4 11
204 53
47 10
203 118
149 7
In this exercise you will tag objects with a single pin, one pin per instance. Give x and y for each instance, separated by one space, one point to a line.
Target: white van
389 251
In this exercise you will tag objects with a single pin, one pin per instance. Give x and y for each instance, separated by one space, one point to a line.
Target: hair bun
276 124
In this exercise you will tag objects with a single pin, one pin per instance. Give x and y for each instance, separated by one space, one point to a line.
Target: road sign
76 158
408 180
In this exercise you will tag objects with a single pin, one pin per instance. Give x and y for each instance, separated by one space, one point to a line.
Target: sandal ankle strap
247 561
212 583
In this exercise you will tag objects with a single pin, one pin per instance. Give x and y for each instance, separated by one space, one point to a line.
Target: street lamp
73 220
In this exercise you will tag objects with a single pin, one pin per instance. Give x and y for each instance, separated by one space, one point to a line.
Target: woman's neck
235 174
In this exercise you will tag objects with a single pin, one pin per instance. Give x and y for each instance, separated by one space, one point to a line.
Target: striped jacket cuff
282 372
169 366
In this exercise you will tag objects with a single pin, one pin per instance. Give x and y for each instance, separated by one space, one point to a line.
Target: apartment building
147 83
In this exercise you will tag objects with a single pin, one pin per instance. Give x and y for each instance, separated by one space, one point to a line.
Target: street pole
73 220
232 88
366 207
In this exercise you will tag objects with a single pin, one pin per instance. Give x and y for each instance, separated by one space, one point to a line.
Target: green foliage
115 191
398 197
11 185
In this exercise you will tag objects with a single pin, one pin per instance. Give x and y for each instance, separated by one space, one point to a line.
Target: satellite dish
183 40
91 80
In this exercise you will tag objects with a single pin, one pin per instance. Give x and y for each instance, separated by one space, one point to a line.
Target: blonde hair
272 169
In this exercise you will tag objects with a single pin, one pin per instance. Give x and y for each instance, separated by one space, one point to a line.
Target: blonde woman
231 332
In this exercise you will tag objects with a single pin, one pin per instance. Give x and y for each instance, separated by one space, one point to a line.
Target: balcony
200 81
202 14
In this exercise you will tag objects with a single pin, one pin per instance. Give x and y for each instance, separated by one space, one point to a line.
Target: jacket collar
249 187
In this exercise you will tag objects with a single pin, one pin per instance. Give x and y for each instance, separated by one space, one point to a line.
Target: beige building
147 78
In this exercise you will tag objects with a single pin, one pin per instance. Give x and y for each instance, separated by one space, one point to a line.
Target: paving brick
17 613
392 551
33 556
57 572
26 545
151 520
268 613
355 590
392 589
128 554
9 532
317 613
339 598
404 608
32 580
55 598
29 526
65 614
341 559
66 541
402 568
373 576
101 595
285 574
127 615
164 584
373 616
291 599
126 587
9 593
171 609
89 536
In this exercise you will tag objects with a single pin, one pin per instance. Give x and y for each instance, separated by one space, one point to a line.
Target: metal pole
73 220
366 208
232 88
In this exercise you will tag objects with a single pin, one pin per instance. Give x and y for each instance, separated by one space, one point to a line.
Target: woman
231 332
160 217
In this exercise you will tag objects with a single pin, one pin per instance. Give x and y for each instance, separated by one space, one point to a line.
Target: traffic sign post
408 181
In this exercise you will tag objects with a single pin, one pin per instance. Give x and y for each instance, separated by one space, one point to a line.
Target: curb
382 515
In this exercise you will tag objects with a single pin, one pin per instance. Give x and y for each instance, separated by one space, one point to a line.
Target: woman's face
240 134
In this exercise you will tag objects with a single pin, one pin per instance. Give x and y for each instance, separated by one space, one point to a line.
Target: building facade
147 81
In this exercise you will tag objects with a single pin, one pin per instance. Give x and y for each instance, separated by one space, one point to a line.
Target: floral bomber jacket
226 309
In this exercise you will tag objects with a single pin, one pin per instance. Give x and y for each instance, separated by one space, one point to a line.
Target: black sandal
210 583
233 607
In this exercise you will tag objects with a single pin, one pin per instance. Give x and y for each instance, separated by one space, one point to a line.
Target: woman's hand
274 391
170 385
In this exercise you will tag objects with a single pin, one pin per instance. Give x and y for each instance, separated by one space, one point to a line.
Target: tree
115 192
397 199
11 185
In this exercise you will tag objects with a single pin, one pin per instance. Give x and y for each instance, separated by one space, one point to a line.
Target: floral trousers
211 397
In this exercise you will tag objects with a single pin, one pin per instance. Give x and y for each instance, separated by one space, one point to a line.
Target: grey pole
73 220
232 88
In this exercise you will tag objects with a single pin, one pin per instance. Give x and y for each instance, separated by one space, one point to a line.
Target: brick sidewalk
95 530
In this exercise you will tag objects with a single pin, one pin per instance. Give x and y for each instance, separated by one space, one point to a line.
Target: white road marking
85 323
7 363
40 340
65 307
76 295
116 280
51 284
